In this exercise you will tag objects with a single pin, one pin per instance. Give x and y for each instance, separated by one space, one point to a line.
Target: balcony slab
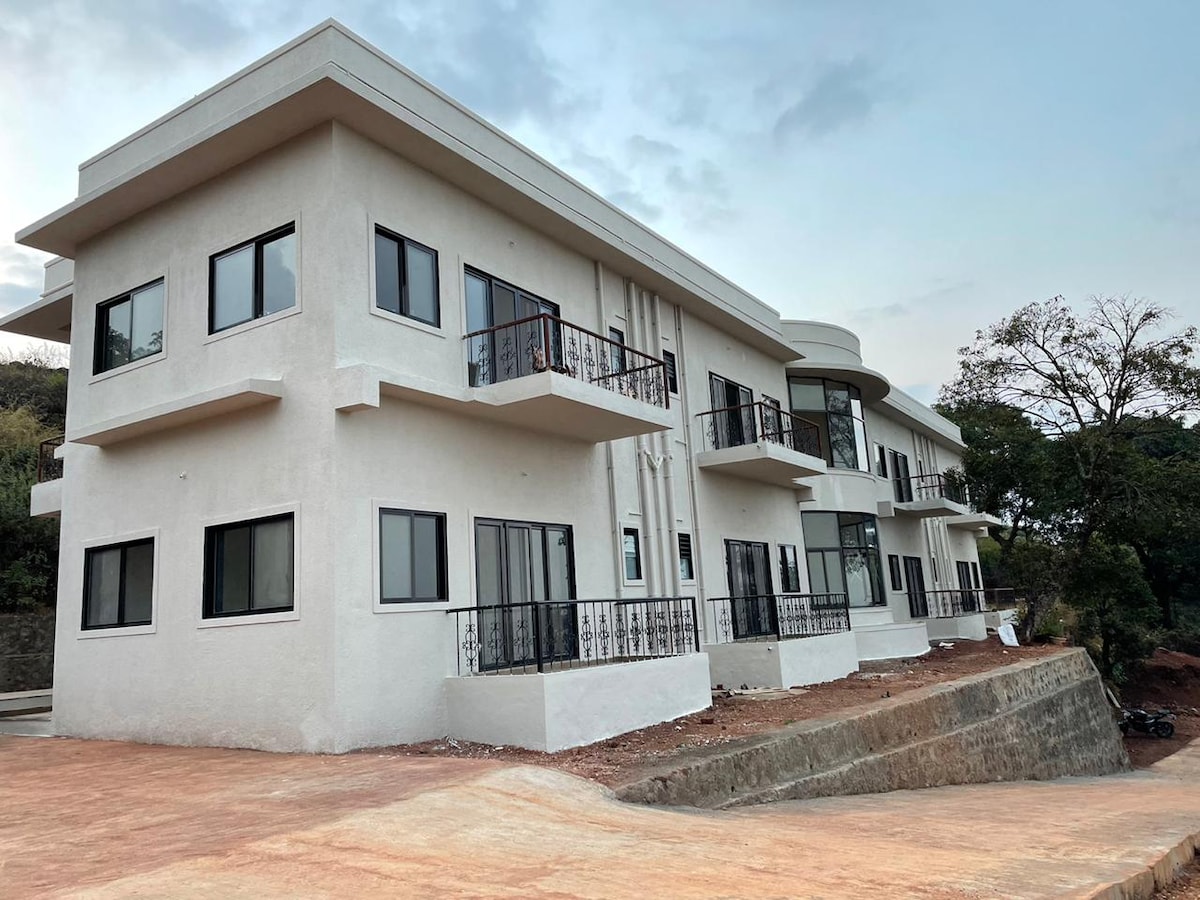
762 461
545 402
974 521
923 509
45 499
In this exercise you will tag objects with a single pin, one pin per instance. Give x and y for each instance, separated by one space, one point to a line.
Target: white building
363 393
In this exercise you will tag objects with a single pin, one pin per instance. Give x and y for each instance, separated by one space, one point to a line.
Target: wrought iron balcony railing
769 617
546 343
572 634
734 426
1001 598
930 487
48 466
946 604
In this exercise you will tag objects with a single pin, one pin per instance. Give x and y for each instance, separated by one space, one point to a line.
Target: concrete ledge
1037 719
783 664
557 710
967 628
20 703
891 641
1145 884
45 499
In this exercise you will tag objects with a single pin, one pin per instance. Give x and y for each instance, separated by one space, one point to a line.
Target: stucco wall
26 651
1037 719
783 664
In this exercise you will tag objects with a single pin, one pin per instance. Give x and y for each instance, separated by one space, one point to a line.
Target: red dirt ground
1171 680
616 760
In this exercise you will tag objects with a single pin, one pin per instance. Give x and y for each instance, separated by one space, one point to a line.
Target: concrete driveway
94 819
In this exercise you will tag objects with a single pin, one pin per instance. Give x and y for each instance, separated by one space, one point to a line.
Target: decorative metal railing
733 426
930 487
1001 598
572 634
546 343
48 466
769 617
946 604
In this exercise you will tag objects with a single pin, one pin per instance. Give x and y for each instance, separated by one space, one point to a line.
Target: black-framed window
733 425
687 569
901 482
406 278
118 584
412 556
631 549
672 372
129 327
975 582
789 569
894 572
836 408
842 552
933 565
616 349
254 279
249 567
881 462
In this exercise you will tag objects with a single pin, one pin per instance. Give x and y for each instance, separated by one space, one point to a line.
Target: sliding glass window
129 327
406 278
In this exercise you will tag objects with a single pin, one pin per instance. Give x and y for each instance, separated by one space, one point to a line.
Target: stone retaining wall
1037 719
26 651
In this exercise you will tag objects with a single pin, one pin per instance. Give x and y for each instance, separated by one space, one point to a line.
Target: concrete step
19 703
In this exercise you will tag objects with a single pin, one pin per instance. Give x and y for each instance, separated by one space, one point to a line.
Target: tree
1074 433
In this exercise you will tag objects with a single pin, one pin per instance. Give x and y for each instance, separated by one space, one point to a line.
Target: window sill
417 324
266 618
129 367
124 631
415 606
253 323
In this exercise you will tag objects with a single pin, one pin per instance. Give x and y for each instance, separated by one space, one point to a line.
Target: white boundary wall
783 664
558 710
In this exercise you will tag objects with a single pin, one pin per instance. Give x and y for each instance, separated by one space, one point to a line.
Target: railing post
695 627
537 637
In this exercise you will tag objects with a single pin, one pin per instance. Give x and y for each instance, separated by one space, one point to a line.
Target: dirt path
619 759
1171 680
104 820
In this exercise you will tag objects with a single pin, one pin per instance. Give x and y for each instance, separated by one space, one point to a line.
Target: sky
911 170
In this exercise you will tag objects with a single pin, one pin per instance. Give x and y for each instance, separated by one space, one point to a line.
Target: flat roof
331 73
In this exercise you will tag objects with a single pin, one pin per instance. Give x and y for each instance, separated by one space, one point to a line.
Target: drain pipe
685 412
670 549
643 468
613 517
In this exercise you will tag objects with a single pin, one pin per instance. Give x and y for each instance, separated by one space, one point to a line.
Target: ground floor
100 819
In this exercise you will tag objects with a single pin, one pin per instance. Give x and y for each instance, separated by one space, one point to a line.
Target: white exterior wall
234 681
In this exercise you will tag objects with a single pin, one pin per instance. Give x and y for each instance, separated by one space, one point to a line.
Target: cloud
21 273
842 94
484 53
648 150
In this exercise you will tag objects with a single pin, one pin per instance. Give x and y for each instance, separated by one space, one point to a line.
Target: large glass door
524 572
748 569
732 427
511 352
914 578
970 601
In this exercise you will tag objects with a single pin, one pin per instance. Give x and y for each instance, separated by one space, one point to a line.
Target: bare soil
1186 887
1170 680
735 714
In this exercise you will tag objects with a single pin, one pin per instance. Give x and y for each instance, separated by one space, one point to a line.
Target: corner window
631 546
835 407
412 556
252 280
672 372
118 585
894 572
687 570
842 551
406 278
789 569
249 567
129 327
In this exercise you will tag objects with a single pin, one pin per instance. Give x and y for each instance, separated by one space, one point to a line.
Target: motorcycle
1160 723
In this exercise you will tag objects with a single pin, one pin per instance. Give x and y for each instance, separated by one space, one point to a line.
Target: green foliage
1075 434
32 409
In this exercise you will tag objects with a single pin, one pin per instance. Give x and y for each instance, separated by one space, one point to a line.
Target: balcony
546 374
553 675
45 497
951 614
760 442
780 640
926 496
